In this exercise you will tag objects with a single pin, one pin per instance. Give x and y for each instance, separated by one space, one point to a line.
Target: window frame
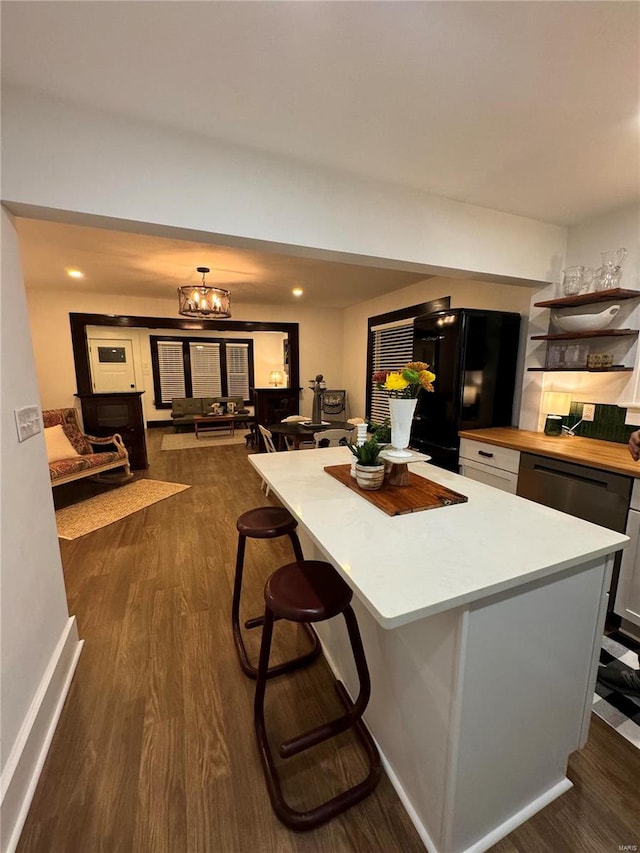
409 313
186 341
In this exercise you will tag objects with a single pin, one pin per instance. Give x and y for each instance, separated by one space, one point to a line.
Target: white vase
401 411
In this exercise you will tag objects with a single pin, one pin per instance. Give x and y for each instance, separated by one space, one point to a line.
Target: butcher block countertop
604 455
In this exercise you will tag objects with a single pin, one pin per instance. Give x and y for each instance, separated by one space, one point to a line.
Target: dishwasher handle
570 475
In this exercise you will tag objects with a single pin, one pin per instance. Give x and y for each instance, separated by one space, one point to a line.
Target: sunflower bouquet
407 381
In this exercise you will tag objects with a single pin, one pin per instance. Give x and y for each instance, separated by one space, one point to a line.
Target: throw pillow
58 445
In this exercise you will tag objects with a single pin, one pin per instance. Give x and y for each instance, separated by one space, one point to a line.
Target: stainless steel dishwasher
589 493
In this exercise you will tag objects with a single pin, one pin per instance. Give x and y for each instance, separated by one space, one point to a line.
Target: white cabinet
490 464
627 604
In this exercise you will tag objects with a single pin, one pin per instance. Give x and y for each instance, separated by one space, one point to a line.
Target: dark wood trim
441 304
186 359
79 341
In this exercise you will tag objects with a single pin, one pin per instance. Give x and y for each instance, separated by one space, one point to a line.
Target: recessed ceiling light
297 291
75 274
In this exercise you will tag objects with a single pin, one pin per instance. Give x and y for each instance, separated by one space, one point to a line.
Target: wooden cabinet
487 463
273 404
105 414
617 294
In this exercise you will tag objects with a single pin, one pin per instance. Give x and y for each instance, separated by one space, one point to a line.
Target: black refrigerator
473 354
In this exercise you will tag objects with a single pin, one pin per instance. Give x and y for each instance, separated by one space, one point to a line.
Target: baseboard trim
24 765
520 817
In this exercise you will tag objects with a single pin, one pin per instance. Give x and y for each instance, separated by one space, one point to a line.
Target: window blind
171 370
238 370
392 347
206 375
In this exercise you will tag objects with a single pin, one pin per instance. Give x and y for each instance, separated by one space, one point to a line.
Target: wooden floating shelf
572 336
580 369
587 298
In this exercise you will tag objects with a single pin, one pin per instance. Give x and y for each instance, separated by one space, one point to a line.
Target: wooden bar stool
312 591
265 522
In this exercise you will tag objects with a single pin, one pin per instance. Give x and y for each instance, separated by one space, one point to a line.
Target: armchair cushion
58 445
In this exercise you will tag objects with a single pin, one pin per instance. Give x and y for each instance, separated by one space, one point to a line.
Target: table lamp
276 378
556 405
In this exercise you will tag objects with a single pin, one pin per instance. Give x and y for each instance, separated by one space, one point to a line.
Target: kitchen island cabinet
482 625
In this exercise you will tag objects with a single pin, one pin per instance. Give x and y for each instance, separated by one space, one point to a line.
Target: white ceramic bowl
586 322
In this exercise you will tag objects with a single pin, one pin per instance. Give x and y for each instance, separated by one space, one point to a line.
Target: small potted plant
369 466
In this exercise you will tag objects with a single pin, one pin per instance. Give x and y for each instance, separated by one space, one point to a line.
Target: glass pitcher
576 279
609 274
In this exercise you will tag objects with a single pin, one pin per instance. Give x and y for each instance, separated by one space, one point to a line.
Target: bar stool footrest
310 819
257 622
277 669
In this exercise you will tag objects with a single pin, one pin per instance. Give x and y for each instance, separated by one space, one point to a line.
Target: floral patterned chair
84 459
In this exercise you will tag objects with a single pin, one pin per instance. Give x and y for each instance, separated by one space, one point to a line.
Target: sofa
73 455
183 409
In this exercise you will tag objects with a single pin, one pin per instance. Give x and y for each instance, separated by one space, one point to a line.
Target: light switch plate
27 422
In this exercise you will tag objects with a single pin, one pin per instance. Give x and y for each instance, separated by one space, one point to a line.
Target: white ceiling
527 107
139 265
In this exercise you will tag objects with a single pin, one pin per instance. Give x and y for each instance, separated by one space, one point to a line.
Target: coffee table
211 423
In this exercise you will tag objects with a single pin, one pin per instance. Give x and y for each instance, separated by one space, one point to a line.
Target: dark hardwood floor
155 749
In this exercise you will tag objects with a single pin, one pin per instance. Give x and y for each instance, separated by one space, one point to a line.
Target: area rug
187 440
620 712
102 510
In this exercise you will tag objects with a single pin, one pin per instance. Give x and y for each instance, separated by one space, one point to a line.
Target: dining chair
334 404
332 437
288 440
267 437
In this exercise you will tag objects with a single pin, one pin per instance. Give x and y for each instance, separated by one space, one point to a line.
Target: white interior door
111 365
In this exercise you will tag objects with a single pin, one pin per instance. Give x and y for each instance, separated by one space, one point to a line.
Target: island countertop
604 455
404 568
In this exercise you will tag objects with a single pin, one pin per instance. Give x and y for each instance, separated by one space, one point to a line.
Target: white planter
401 412
369 477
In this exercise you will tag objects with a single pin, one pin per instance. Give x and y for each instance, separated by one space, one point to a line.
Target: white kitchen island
482 624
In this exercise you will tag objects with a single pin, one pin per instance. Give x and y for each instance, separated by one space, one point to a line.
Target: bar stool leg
310 819
355 709
297 548
245 664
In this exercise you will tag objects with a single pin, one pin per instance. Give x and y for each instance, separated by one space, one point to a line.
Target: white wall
33 607
464 294
618 228
81 161
320 339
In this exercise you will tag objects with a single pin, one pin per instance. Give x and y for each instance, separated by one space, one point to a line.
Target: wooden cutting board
398 500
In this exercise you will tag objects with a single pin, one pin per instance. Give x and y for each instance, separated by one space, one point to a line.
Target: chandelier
201 300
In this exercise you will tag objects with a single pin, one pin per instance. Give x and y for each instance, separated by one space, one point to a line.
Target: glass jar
556 356
576 279
576 356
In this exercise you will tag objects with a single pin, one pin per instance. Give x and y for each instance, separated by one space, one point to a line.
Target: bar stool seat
265 522
312 591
